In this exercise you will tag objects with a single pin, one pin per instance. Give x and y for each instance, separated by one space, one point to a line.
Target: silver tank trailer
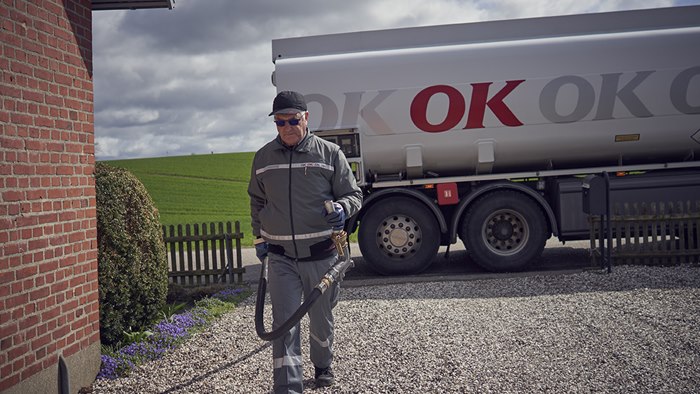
490 97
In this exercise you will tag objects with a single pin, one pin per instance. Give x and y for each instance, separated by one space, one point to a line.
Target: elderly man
291 178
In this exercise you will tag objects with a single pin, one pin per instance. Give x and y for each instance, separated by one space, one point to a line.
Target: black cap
288 102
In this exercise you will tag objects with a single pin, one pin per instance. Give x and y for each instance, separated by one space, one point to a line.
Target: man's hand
261 250
335 219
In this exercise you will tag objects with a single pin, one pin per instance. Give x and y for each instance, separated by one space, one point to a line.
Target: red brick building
49 309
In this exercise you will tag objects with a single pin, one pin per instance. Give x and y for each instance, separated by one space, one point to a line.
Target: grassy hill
198 188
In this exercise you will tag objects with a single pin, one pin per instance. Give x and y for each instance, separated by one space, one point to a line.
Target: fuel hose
332 275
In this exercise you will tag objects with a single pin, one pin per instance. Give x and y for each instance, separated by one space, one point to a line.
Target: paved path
458 266
631 331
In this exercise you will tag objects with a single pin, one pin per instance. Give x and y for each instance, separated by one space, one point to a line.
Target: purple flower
113 367
169 330
167 334
186 320
227 294
149 350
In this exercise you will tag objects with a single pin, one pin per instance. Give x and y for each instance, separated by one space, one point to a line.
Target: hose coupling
340 240
325 282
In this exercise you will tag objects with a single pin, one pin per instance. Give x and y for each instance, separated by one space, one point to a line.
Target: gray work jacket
288 187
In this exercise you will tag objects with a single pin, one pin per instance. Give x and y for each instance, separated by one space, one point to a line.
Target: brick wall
48 258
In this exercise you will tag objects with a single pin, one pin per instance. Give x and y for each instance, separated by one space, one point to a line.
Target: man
291 178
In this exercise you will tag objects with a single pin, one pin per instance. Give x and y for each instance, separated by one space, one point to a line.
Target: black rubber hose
335 273
287 325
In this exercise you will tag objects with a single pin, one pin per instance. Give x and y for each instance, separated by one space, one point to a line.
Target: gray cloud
196 79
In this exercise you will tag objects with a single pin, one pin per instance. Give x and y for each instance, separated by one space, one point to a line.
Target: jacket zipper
291 214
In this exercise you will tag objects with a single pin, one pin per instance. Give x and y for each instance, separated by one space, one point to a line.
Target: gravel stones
634 330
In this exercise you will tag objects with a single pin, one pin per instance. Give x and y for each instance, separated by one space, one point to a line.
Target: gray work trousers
288 279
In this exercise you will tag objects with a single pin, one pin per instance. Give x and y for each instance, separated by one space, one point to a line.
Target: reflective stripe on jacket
288 187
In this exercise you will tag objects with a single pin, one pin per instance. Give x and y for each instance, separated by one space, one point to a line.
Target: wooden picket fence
655 233
203 254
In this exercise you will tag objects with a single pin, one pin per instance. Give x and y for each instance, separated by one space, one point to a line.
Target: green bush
133 272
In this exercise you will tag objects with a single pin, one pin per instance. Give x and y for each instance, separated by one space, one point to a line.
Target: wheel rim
505 232
399 236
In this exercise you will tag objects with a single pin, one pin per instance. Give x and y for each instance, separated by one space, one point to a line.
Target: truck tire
504 231
399 236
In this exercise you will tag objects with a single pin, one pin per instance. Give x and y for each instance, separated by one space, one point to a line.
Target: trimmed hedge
133 272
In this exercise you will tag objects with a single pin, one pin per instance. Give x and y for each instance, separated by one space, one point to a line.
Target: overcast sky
196 79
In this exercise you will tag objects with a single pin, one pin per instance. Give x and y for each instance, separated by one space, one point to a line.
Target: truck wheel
399 236
504 231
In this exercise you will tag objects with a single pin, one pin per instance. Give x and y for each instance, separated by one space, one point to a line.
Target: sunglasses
292 122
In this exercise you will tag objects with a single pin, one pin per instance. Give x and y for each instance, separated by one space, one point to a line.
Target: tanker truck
482 132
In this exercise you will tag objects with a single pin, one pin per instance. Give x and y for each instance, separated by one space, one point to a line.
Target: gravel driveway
635 330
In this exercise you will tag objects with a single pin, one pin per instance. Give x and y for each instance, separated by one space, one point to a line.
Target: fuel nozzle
339 237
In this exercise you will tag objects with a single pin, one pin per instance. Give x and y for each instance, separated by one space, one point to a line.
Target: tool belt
319 251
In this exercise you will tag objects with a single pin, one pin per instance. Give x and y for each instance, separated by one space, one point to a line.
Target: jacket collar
301 146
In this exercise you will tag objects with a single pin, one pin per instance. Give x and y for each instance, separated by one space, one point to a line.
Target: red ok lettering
479 103
419 108
457 107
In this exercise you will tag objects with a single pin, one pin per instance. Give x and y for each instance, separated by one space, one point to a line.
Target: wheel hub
506 232
502 230
398 236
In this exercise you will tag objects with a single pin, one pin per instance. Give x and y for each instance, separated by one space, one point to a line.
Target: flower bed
167 334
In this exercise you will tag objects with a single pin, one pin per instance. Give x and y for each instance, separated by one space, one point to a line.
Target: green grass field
198 188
